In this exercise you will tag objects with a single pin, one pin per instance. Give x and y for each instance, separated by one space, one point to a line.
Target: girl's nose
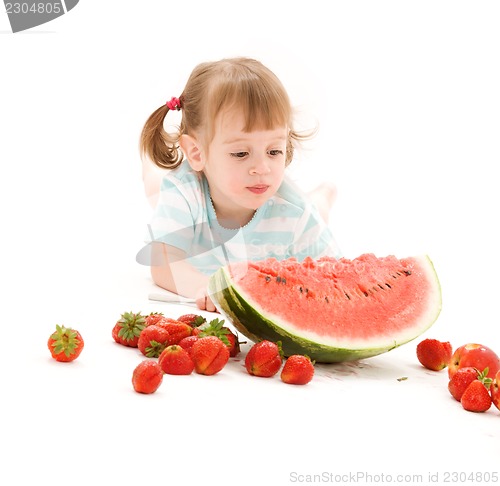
260 167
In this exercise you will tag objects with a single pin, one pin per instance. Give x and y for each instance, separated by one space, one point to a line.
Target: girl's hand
204 302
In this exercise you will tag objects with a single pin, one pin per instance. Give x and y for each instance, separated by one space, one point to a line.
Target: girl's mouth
258 188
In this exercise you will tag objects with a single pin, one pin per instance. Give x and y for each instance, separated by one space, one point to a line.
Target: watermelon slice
332 310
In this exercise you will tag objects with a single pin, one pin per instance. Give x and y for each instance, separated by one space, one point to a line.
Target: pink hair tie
174 104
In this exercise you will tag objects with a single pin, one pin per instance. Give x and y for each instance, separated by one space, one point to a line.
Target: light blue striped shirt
287 225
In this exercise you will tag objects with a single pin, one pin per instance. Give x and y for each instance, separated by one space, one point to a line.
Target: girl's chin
253 201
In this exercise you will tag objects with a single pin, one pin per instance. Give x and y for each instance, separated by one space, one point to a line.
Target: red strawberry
264 359
297 370
234 344
216 328
495 390
147 377
175 360
177 330
65 344
187 342
433 354
152 318
461 380
194 320
209 354
153 340
128 329
476 397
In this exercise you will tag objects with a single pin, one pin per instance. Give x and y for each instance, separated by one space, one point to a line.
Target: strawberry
433 354
147 377
153 340
234 343
495 390
216 328
65 344
187 342
297 370
194 320
264 359
128 329
476 397
152 318
176 329
175 360
461 380
209 355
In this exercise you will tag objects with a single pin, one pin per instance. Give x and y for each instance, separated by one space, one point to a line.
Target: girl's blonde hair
242 83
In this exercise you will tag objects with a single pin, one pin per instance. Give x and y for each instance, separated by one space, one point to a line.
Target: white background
406 95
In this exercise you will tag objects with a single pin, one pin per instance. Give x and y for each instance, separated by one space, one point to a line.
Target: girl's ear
192 149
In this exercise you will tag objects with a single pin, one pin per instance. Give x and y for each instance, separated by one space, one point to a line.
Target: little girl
225 197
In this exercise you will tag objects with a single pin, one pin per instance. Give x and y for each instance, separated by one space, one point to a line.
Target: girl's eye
239 155
276 152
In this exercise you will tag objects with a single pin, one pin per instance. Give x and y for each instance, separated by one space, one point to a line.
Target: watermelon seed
381 286
327 301
268 278
407 272
278 279
301 290
347 295
387 285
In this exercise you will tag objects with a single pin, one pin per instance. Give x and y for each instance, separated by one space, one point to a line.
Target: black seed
347 295
278 279
387 285
381 286
301 289
407 272
268 278
283 281
327 301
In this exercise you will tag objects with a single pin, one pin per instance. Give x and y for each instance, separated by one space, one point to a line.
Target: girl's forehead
235 122
230 120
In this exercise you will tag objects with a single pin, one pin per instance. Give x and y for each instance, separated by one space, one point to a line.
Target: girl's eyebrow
278 138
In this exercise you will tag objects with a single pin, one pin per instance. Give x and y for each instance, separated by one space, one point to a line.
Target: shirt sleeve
173 220
312 236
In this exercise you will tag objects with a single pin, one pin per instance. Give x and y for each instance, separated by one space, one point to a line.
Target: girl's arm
173 273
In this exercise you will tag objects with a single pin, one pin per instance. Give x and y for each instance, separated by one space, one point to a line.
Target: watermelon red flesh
332 310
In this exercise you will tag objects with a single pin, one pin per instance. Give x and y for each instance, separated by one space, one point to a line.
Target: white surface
407 99
352 418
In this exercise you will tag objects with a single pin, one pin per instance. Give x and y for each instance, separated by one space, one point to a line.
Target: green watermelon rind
256 326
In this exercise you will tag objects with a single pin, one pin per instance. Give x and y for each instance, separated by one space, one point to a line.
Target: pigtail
157 144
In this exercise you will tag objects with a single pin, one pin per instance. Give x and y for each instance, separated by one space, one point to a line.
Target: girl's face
243 169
